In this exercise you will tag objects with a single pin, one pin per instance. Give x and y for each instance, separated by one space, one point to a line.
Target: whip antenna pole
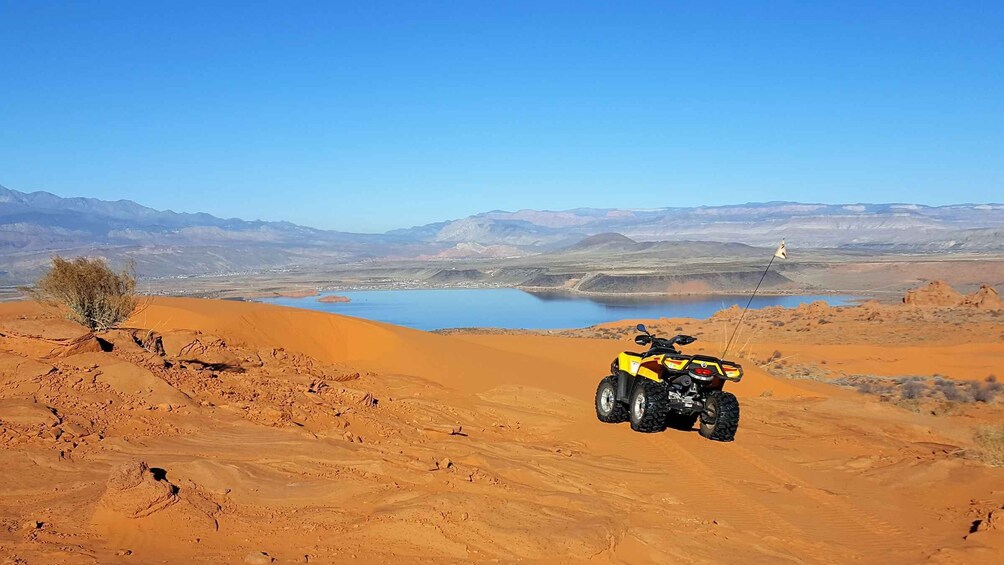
781 252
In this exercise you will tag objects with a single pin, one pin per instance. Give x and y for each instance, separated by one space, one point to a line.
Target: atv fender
625 386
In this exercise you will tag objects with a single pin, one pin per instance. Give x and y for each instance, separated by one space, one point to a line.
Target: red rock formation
937 293
986 297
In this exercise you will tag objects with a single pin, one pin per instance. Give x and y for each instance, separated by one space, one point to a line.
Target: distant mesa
939 294
333 298
452 276
688 283
603 240
615 243
472 250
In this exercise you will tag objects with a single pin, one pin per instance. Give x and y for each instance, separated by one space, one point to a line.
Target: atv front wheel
720 418
608 409
648 407
679 421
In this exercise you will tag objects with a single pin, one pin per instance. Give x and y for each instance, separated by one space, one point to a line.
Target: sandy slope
313 437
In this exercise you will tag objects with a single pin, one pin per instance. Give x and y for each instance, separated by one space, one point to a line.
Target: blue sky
367 116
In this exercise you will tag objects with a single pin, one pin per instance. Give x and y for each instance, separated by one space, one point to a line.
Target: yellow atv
663 388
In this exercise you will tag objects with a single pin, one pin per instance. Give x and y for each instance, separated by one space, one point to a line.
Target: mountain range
34 226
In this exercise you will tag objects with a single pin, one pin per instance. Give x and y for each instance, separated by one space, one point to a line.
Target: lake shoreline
709 293
517 309
865 294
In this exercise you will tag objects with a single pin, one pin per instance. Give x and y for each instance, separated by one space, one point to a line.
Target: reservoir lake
515 309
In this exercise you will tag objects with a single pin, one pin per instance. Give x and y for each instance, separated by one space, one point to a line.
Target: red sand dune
219 431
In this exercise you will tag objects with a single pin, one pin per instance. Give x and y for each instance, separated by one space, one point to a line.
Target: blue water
512 308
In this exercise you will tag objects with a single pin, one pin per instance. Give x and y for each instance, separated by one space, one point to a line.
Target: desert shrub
984 391
949 390
989 442
921 389
983 394
88 291
912 389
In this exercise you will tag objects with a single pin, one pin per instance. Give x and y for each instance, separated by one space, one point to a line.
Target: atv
663 388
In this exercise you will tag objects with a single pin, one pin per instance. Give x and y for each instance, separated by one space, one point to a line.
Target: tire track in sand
705 490
867 530
831 519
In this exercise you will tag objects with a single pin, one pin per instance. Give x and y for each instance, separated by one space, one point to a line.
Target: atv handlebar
660 343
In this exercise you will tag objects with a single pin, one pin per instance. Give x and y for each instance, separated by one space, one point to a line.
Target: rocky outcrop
939 294
986 297
134 491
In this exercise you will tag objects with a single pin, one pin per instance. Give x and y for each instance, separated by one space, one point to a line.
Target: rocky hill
34 226
162 243
908 227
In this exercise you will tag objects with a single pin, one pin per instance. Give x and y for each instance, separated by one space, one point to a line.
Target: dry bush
88 291
912 389
928 389
990 444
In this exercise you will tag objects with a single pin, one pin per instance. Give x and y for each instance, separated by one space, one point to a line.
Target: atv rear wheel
648 407
679 421
608 408
720 418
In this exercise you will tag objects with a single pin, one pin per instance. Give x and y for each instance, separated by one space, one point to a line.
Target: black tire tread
728 417
656 409
620 412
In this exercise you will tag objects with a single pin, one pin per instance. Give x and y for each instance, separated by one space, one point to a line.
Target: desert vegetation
989 442
87 291
924 388
909 391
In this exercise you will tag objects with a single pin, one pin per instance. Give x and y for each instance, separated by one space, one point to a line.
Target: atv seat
659 351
